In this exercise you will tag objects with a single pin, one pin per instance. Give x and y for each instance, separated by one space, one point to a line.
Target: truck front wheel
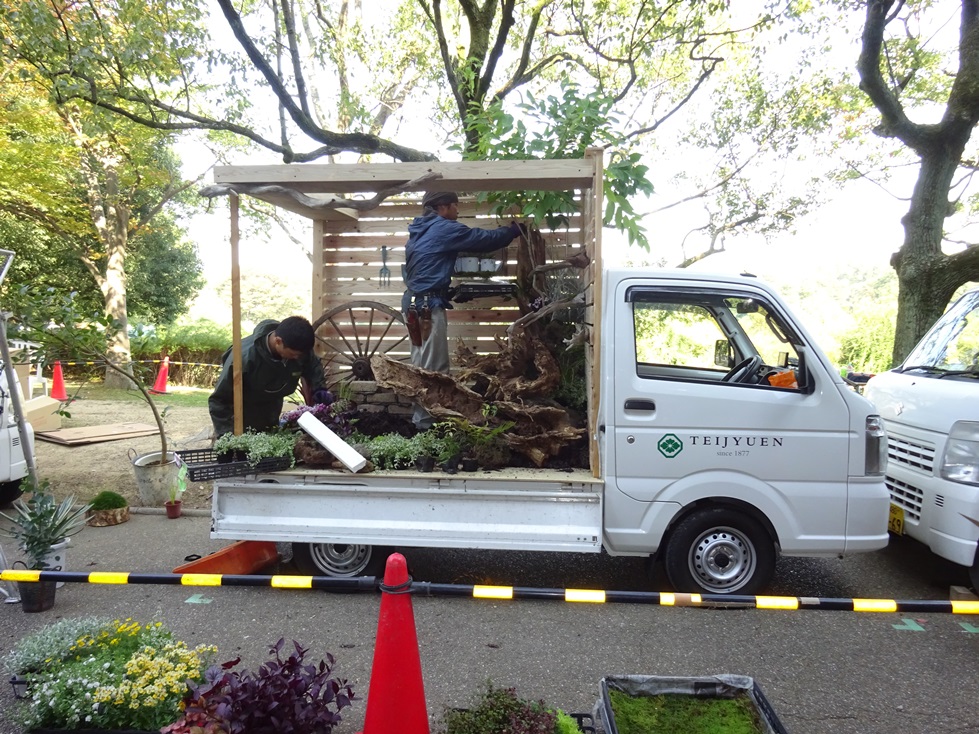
9 492
719 551
339 560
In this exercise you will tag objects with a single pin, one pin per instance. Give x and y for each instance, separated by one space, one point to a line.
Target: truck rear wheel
719 551
9 492
974 574
339 560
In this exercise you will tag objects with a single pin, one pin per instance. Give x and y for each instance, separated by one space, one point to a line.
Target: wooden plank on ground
97 434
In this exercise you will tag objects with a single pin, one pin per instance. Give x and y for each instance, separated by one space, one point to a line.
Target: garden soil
84 471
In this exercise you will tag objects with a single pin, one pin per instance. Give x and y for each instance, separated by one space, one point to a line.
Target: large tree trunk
926 281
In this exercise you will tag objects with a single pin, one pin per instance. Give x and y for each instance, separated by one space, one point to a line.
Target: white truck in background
13 463
930 407
724 437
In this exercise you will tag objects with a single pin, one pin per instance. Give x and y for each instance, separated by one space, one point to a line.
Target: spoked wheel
339 560
354 332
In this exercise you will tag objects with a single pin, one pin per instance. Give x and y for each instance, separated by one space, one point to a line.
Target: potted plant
177 490
55 321
39 525
98 675
500 709
294 695
253 447
634 704
107 508
429 446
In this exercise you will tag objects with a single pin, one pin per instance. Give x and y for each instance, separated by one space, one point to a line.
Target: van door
710 400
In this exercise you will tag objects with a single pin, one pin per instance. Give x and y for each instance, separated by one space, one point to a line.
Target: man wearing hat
434 240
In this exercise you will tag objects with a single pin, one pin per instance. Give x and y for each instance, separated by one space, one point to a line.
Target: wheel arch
731 503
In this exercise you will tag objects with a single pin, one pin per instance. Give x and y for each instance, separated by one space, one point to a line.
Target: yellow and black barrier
477 591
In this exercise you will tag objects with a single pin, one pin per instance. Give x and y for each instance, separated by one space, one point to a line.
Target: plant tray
203 465
713 686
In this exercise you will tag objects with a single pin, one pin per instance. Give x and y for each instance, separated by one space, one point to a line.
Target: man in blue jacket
434 240
273 360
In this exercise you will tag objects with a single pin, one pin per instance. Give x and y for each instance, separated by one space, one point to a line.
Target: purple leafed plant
285 696
336 416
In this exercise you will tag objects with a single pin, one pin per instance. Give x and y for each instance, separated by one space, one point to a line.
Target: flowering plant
285 695
114 675
337 416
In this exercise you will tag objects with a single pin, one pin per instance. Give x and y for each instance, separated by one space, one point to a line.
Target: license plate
895 520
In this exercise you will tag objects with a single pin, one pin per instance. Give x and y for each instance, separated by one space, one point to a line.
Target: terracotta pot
173 509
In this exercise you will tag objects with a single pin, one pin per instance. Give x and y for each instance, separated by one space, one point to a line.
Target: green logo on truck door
670 445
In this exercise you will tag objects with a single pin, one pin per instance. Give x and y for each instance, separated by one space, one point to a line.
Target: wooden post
318 303
239 402
592 210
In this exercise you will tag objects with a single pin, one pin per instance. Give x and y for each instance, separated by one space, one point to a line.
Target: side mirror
723 354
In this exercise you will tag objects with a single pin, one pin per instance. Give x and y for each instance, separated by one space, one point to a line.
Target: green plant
107 500
40 522
501 710
392 451
285 695
51 643
429 443
257 446
116 675
179 485
677 712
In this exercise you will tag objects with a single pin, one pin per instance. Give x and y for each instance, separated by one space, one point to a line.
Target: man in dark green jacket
273 360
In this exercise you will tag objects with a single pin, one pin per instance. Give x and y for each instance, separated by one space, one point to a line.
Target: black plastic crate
203 465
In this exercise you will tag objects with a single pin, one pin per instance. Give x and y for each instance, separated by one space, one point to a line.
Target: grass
181 397
670 712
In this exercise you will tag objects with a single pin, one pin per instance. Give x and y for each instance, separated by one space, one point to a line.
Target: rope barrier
476 591
138 361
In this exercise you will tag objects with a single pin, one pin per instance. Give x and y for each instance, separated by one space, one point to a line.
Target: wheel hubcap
722 560
340 559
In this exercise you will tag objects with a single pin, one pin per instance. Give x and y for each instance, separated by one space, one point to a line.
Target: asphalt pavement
823 671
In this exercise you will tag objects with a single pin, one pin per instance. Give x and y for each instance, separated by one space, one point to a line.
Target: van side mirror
804 376
723 354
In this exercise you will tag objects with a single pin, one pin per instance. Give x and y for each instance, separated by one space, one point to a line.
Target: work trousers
432 355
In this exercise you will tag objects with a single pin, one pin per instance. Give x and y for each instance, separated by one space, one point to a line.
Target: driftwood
363 205
539 432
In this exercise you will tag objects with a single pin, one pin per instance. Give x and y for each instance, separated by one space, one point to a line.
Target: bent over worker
434 240
276 356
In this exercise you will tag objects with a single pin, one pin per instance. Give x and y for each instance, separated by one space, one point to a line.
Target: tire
9 492
719 551
974 574
339 560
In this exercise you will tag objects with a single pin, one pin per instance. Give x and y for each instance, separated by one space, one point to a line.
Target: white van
930 406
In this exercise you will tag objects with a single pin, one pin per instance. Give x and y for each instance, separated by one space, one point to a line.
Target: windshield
952 344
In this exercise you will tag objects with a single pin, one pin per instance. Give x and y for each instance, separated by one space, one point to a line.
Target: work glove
518 229
322 397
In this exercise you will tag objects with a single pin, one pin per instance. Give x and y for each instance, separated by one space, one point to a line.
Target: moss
692 715
107 500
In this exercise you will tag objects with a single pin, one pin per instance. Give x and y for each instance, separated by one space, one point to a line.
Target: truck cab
930 406
13 463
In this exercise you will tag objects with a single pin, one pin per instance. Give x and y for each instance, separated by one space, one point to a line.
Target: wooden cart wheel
354 332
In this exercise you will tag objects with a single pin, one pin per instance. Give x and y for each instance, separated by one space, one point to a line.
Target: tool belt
418 319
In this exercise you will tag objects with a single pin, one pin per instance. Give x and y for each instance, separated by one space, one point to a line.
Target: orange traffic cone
58 391
160 386
396 699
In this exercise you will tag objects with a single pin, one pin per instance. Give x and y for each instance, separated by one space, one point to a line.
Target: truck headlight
961 460
876 455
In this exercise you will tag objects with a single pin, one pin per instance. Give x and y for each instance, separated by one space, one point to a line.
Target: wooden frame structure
354 237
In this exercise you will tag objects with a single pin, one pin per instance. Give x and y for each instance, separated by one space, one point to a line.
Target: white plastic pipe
332 443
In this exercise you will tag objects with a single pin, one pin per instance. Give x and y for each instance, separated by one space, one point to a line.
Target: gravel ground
86 470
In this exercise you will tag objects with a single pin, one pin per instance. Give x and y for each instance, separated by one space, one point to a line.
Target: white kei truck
724 437
930 407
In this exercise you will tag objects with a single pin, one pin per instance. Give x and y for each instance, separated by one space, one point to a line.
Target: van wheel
339 560
9 492
974 574
719 551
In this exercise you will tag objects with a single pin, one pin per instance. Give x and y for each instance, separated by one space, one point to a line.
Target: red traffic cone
396 698
160 386
58 391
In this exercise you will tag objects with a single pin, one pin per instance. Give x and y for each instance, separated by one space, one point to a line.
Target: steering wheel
743 370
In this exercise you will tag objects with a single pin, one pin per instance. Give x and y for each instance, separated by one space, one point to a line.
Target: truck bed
511 509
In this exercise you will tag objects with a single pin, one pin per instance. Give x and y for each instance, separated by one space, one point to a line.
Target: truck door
712 399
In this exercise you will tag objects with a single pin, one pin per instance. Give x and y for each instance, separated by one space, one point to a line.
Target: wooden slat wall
346 268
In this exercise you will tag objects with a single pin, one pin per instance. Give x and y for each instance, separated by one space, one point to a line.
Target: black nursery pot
470 464
425 463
